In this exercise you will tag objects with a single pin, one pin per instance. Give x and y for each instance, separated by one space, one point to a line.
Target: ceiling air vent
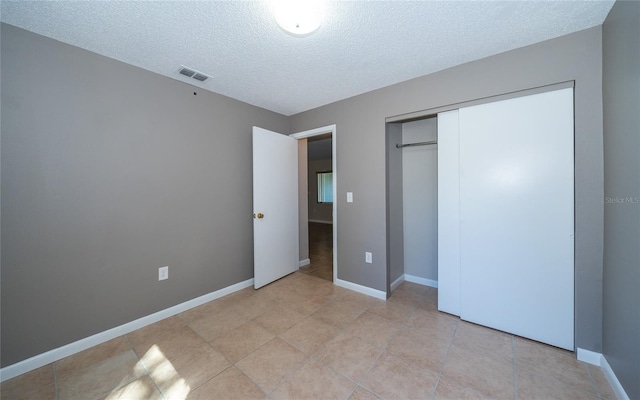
200 77
192 73
187 72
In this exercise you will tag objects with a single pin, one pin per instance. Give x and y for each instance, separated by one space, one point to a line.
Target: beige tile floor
304 338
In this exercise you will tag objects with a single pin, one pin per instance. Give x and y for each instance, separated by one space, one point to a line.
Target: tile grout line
126 338
267 394
406 324
357 384
55 381
311 357
286 378
593 383
386 346
446 358
155 384
153 381
232 364
148 372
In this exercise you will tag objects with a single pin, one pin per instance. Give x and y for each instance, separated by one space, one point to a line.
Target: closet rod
399 146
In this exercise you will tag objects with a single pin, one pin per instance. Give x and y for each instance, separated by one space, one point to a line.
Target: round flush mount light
300 17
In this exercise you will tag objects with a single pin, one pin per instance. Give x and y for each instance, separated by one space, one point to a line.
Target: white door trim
322 131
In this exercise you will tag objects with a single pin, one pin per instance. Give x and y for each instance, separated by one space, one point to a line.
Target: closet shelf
399 146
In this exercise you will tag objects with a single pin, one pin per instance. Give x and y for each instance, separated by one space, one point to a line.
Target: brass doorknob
260 215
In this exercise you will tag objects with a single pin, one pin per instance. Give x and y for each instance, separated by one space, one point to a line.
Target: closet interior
413 152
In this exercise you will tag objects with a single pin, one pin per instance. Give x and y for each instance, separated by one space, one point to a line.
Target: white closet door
516 210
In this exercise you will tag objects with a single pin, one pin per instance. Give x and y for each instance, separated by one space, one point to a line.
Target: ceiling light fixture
300 17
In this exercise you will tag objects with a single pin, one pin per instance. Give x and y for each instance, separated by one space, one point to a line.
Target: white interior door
275 206
517 218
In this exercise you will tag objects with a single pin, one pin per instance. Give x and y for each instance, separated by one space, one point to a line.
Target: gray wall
621 85
109 172
361 155
318 211
420 199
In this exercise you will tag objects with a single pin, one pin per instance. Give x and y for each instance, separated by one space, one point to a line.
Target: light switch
349 197
368 258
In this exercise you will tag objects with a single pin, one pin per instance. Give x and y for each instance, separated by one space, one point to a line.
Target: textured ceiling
361 46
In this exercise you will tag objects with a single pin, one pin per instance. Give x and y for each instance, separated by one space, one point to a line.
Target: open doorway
317 183
320 207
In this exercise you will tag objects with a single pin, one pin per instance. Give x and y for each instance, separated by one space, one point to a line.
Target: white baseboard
613 380
50 356
414 279
397 282
319 221
304 262
379 294
598 359
421 281
590 357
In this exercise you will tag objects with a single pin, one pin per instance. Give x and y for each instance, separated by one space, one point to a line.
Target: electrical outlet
368 258
163 273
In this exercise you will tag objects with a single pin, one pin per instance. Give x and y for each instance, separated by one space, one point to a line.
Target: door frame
323 131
